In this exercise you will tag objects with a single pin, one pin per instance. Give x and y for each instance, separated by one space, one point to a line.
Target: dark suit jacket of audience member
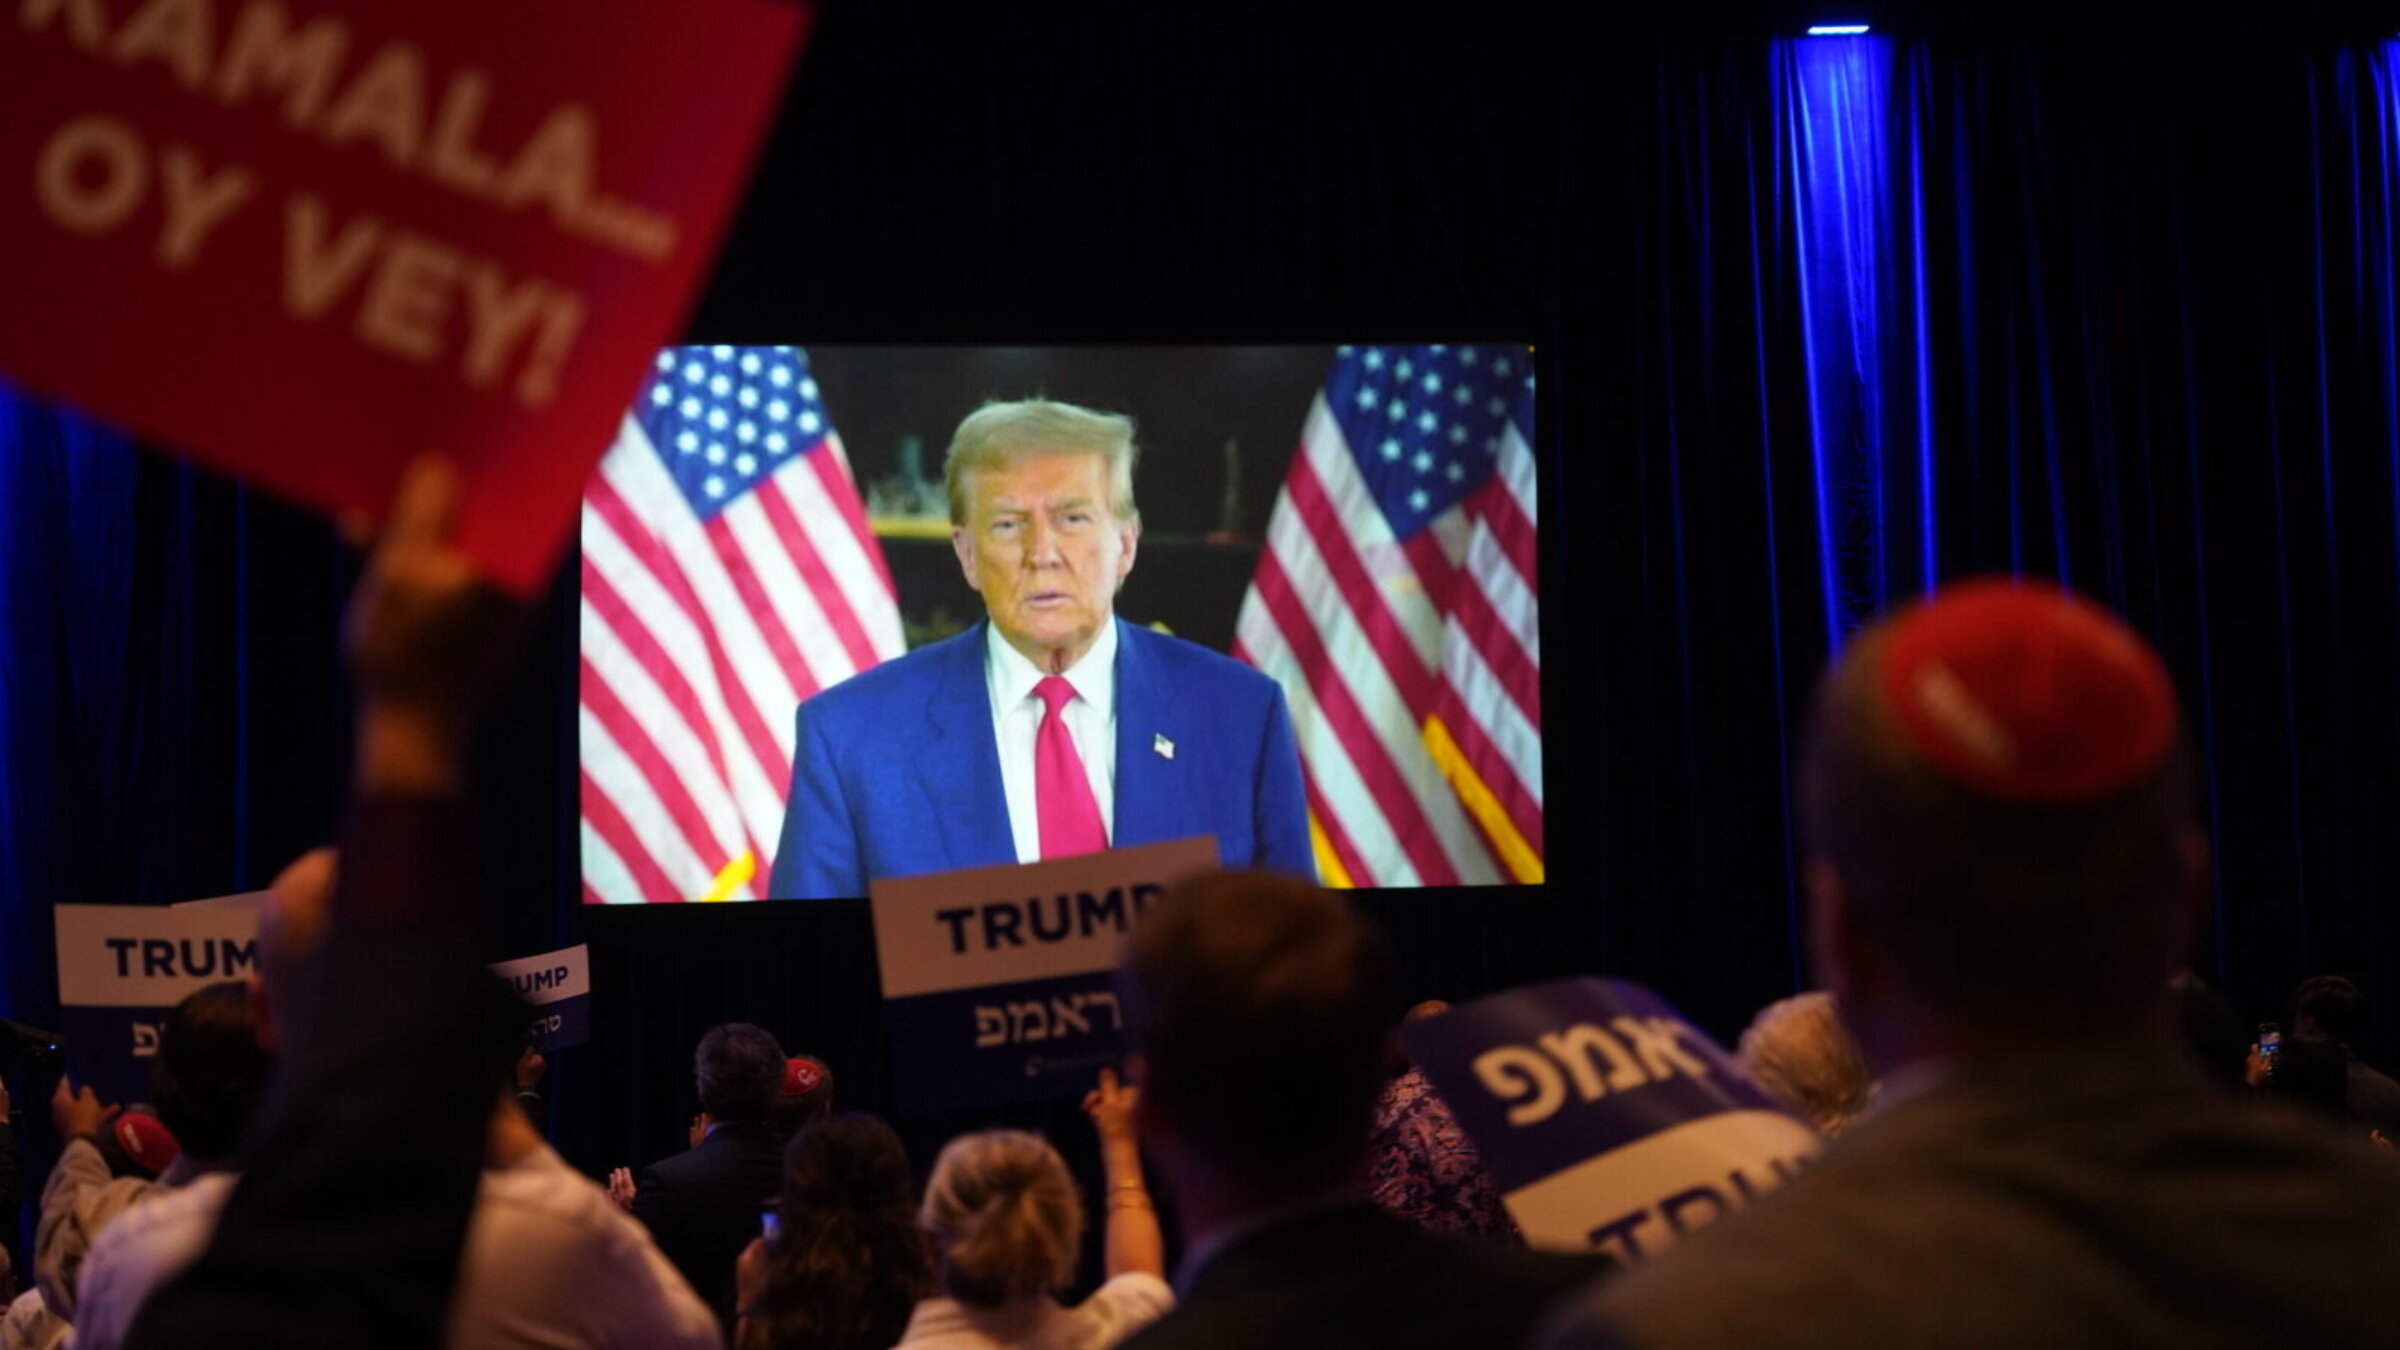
1356 1276
703 1204
2374 1098
2104 1196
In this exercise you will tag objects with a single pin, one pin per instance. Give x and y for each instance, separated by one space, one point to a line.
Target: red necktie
1062 794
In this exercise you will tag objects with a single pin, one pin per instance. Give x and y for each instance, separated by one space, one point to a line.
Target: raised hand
427 640
79 1111
1110 1106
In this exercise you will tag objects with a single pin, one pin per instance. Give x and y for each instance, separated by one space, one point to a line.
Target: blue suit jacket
895 772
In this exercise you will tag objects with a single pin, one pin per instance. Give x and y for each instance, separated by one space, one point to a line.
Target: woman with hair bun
847 1263
1004 1222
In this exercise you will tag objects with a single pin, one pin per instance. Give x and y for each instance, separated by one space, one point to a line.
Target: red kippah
801 1077
147 1141
2024 692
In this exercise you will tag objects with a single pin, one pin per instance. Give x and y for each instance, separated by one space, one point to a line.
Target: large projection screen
1354 524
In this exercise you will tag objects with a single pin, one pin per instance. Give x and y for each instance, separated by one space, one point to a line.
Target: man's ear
964 547
1836 959
1130 535
1849 964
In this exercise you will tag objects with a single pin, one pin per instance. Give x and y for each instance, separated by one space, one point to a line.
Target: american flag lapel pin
1164 747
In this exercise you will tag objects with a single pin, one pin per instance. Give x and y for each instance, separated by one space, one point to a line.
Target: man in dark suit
2329 1006
703 1205
1262 1010
1054 728
2003 864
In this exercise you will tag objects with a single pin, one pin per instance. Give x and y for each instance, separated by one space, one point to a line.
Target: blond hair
1005 1215
998 434
1799 1050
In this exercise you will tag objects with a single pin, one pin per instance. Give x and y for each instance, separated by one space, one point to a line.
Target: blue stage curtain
171 711
1911 310
1840 138
86 718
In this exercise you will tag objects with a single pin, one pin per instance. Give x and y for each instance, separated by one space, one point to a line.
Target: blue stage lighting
1836 29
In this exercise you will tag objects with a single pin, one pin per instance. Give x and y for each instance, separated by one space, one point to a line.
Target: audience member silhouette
2002 864
1261 1009
545 1254
2329 1005
805 1098
2309 1073
207 1080
847 1262
1005 1224
347 1227
1422 1167
703 1204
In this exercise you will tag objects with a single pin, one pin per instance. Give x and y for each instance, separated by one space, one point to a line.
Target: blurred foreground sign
998 981
305 239
1608 1121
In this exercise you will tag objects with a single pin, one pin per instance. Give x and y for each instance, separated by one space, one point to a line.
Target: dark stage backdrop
1816 327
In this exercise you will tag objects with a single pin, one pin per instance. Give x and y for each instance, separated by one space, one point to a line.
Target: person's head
738 1069
1997 799
805 1097
1799 1050
1261 1009
847 1264
1043 520
291 928
2328 1004
210 1069
1004 1218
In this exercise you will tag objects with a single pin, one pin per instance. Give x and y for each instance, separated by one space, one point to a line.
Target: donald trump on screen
1053 727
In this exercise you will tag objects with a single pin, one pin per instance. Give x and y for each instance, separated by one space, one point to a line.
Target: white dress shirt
1009 676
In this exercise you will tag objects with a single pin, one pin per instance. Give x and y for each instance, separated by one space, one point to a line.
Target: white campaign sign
1018 922
996 980
150 956
1640 1198
549 977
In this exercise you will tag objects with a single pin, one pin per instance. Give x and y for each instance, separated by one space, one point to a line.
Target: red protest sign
305 239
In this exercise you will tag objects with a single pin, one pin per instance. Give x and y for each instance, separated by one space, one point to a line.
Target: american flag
728 573
1395 602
